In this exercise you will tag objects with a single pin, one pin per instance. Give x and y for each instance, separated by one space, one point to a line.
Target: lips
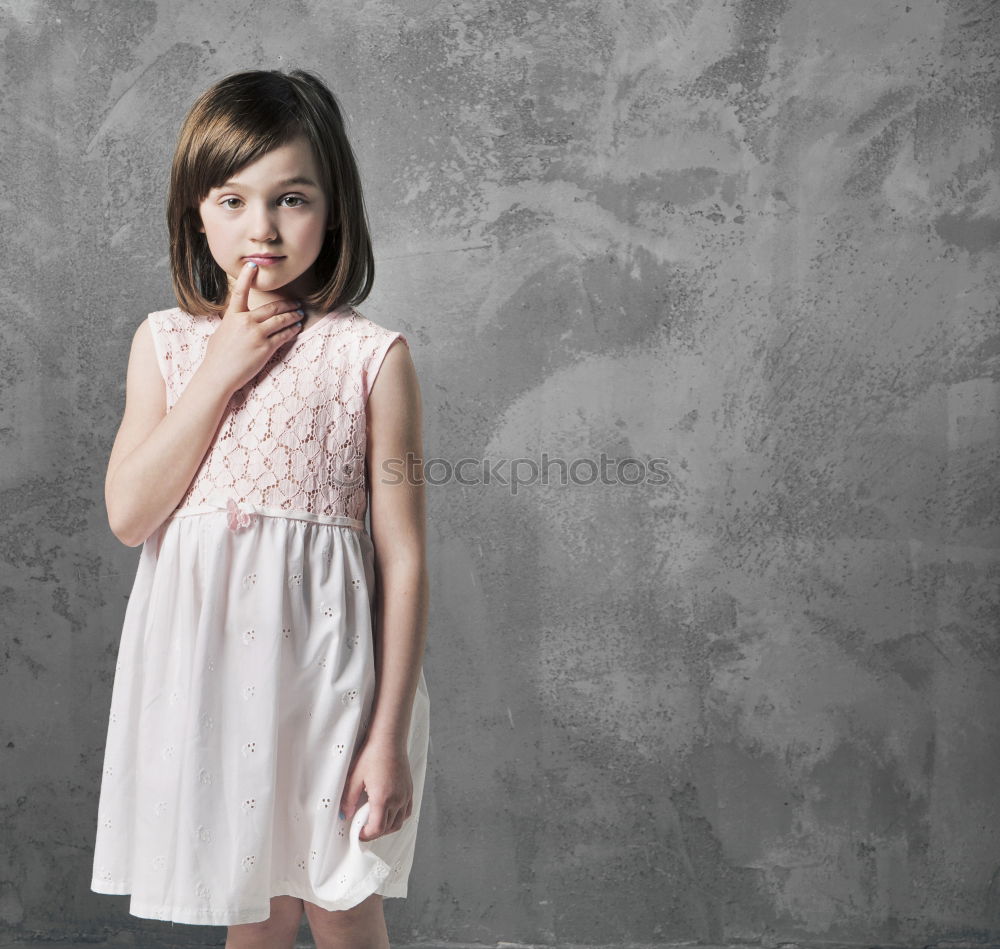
263 260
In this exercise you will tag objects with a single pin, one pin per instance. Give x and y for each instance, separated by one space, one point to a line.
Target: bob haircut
233 123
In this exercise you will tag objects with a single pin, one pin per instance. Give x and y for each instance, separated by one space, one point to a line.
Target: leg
360 927
276 932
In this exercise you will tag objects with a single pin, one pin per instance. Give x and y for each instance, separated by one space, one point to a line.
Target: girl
268 734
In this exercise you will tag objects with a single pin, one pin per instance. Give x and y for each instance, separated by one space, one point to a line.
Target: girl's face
274 212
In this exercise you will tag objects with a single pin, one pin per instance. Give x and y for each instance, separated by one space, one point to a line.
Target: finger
352 791
241 288
277 315
290 324
376 821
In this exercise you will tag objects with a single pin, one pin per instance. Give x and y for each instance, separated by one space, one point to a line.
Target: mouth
263 260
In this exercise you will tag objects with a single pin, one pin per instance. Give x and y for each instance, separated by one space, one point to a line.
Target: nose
261 223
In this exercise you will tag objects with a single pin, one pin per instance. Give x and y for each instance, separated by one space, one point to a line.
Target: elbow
126 518
128 537
125 528
132 542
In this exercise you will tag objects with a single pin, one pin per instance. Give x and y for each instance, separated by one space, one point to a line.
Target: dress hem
393 890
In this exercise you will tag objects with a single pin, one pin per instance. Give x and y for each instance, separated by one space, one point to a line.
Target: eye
294 197
225 203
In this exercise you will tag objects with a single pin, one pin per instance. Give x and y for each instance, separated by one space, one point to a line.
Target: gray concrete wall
754 238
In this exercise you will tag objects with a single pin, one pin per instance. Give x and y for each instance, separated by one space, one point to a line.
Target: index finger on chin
241 288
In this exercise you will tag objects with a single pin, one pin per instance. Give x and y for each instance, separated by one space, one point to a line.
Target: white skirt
244 685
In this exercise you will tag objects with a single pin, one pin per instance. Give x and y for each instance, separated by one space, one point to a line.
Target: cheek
220 242
312 232
209 227
204 219
218 233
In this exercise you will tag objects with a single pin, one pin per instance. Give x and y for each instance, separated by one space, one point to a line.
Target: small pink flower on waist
237 517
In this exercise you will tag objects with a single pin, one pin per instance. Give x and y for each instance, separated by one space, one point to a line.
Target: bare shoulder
145 396
395 457
143 336
395 393
144 377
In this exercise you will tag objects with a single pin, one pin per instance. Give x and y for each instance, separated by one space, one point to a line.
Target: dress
245 674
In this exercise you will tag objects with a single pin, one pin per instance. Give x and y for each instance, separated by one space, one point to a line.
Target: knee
363 921
281 925
286 910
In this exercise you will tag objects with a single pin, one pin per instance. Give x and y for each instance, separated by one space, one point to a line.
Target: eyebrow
287 183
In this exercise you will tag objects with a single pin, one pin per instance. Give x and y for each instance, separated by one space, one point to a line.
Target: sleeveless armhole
375 362
159 345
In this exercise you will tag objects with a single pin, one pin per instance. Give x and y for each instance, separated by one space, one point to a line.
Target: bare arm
157 453
380 768
398 535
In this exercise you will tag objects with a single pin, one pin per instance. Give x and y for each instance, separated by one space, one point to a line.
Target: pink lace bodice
293 438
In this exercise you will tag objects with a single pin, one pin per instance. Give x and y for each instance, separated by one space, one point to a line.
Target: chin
268 283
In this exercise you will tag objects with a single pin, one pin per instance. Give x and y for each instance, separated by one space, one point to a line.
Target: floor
148 941
132 941
135 942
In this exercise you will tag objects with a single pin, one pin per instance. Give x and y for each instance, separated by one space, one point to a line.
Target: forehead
292 161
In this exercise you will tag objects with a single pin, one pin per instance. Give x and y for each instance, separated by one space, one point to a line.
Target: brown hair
238 120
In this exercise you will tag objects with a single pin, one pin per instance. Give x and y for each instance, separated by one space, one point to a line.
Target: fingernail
251 263
341 815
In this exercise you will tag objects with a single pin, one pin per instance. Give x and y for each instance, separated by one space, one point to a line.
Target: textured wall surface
756 239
